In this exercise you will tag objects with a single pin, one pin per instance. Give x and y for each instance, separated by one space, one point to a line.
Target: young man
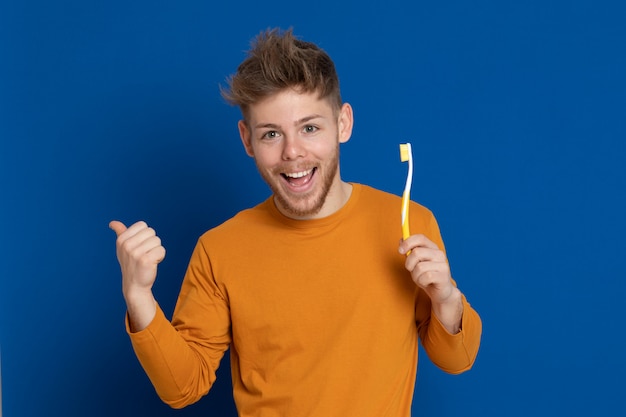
318 302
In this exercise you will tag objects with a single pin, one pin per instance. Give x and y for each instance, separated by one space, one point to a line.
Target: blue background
516 112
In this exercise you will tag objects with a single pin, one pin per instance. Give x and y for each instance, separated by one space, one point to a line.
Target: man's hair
276 61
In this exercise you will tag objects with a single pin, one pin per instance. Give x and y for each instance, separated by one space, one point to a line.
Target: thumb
118 227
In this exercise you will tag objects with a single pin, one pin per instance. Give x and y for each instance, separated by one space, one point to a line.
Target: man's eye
310 128
270 134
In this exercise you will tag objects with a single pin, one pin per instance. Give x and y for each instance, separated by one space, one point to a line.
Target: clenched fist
139 252
429 269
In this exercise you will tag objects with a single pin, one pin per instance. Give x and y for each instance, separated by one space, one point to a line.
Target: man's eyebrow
266 125
296 123
307 119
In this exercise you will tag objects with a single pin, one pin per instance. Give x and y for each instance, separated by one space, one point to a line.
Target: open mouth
300 178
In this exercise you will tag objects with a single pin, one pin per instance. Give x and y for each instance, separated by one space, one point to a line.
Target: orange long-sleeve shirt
321 316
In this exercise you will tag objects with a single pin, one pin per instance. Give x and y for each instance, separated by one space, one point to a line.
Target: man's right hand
139 252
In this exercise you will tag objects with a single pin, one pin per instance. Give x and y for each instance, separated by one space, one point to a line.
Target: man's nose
293 148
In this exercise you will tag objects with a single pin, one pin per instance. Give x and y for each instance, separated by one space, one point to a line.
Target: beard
297 205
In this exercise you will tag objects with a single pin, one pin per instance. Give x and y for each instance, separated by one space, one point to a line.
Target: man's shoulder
240 222
372 194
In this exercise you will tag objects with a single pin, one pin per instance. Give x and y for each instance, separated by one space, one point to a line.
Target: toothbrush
406 155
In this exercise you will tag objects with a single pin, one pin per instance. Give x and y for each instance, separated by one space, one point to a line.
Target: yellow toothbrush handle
405 223
405 230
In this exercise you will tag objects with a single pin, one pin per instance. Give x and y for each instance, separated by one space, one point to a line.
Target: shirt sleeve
181 357
453 353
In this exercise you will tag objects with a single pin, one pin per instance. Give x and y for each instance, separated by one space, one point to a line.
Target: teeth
298 174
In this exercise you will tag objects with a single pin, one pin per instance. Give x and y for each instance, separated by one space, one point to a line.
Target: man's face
294 139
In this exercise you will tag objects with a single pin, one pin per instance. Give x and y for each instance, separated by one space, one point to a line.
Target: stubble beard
309 204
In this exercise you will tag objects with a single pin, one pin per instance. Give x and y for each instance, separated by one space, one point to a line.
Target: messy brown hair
278 60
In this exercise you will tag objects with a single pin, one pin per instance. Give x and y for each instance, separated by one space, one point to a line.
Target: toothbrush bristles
404 152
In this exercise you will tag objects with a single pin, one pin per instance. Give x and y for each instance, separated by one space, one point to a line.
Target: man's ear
345 123
245 135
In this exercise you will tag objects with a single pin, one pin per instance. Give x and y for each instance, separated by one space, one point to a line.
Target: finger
150 251
419 267
422 254
131 231
428 272
430 277
415 241
145 245
136 228
157 254
141 241
421 240
118 227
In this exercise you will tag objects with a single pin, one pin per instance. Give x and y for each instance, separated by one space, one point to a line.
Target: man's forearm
141 307
450 312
